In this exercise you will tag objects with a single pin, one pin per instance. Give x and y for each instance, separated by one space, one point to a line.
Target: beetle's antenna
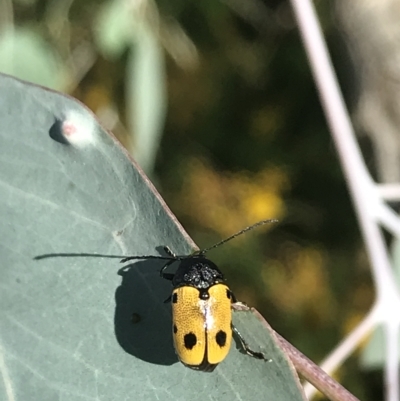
147 257
260 223
201 252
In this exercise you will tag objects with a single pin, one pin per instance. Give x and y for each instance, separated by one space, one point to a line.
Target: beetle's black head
197 271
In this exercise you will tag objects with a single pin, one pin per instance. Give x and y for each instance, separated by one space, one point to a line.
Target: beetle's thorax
198 272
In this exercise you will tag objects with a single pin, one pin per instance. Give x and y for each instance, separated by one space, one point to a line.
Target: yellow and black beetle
201 308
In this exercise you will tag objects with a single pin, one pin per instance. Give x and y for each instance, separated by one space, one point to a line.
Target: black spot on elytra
175 329
220 338
190 340
228 294
175 298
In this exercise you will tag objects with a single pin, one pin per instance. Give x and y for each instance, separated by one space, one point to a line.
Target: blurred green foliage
245 139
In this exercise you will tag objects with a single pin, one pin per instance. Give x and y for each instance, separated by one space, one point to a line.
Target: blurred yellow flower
298 283
227 202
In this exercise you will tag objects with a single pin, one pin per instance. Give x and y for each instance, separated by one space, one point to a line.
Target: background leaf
121 27
24 53
113 28
146 98
66 322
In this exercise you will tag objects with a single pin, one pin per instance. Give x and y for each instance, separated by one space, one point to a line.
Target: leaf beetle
201 307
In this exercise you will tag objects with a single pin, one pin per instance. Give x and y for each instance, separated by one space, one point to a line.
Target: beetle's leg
168 251
245 347
233 298
167 276
168 300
